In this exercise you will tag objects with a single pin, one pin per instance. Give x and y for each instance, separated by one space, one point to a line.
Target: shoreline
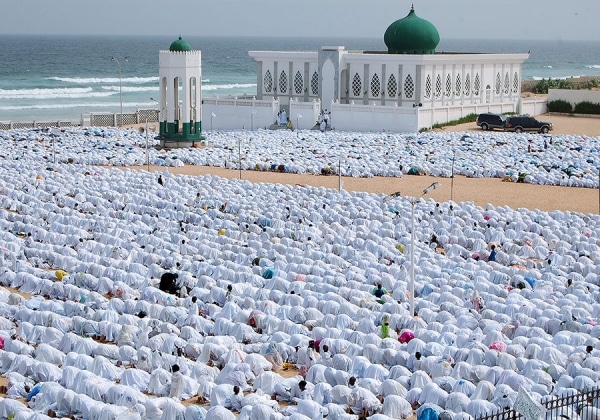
527 86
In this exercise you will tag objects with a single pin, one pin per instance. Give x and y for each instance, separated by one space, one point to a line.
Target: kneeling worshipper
273 356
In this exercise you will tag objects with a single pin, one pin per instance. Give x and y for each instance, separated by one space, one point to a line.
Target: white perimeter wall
236 114
574 96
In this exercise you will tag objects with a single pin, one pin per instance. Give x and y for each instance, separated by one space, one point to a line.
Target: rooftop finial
412 7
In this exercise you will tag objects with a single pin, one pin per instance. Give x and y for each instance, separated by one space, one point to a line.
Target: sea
61 78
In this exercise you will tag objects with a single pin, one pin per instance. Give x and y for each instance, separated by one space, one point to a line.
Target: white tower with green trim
180 72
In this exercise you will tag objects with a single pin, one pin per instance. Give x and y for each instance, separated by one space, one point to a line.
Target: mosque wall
235 114
447 83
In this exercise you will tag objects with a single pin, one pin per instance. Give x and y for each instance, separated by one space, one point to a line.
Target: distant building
392 83
407 88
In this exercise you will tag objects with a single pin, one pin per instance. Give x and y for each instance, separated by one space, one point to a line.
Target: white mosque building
408 88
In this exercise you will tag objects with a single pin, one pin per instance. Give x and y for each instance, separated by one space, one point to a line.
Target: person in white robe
177 383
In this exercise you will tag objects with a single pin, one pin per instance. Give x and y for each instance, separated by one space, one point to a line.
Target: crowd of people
568 160
124 297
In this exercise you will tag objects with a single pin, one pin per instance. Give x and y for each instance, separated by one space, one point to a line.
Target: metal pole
452 177
240 156
54 149
211 130
147 153
120 86
340 174
412 260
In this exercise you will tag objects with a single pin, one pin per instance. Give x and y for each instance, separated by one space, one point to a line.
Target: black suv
488 121
526 123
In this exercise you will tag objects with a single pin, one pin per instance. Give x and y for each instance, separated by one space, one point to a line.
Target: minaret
180 72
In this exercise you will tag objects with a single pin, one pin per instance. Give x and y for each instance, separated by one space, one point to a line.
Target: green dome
411 35
180 45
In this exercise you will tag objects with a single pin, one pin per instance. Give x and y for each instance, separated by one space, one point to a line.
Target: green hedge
560 105
587 108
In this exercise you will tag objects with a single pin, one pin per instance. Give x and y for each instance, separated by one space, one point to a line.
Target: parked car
526 123
489 121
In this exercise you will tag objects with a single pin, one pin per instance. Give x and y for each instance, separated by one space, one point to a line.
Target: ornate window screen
409 87
392 86
314 83
375 85
477 85
298 83
356 85
498 84
428 86
448 86
515 88
457 86
268 81
283 81
467 90
506 83
438 86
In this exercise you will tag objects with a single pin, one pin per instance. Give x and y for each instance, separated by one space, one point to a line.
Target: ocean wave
131 88
229 86
61 93
88 80
87 105
593 66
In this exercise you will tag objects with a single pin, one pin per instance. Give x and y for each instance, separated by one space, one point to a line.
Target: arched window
283 82
314 83
375 85
457 86
515 83
409 87
428 86
268 81
356 85
467 90
498 84
298 83
392 86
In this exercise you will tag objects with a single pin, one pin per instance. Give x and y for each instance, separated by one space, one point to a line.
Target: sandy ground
481 191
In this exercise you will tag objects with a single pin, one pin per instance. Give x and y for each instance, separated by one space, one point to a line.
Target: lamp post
114 59
298 124
212 115
452 176
413 202
147 152
240 156
252 114
159 108
55 132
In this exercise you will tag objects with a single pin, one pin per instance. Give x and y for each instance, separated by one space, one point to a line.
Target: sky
454 19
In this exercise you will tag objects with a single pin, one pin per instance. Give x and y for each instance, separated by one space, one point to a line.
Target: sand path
480 191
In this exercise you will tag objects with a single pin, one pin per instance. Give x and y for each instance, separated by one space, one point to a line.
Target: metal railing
583 405
98 120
